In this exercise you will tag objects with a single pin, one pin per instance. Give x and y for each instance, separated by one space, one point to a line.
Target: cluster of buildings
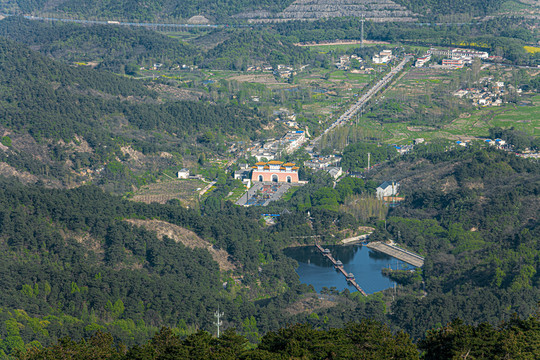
283 71
326 163
490 94
403 149
344 62
455 58
497 142
287 117
273 149
457 53
382 57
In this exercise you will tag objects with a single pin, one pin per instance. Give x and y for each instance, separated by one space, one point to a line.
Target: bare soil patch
186 237
267 79
310 303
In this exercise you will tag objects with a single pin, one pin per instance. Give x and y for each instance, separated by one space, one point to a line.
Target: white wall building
183 174
387 188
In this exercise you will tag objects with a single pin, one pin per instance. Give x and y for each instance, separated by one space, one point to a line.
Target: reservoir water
365 264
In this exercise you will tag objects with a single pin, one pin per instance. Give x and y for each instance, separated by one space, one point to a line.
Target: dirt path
340 42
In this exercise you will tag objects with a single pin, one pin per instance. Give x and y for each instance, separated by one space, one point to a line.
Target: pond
365 264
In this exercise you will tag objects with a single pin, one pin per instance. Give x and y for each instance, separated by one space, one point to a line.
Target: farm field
470 125
424 86
184 190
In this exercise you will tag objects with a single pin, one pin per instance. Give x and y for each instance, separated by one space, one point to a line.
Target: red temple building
275 171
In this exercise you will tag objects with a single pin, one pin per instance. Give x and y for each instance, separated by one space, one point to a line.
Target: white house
387 188
335 172
183 174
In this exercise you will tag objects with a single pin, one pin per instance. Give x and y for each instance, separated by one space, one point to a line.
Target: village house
387 188
183 174
421 61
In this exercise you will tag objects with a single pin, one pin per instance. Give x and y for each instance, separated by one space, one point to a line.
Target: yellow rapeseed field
532 49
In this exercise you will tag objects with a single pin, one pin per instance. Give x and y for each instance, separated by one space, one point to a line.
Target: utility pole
368 160
218 323
362 31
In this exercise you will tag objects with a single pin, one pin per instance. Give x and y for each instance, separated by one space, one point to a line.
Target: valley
155 176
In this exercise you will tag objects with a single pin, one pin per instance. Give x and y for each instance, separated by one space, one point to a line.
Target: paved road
126 23
364 98
206 188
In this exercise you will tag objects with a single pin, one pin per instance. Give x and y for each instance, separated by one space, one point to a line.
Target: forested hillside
504 36
123 50
154 10
73 265
474 214
514 339
114 47
173 10
248 47
53 101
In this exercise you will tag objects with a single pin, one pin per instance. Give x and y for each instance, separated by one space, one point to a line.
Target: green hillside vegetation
114 47
171 10
73 265
152 11
54 101
123 49
248 47
502 36
475 221
365 340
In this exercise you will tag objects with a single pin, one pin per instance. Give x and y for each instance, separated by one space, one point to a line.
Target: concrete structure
458 53
335 172
275 171
242 174
183 174
387 188
422 60
452 63
322 162
383 57
398 253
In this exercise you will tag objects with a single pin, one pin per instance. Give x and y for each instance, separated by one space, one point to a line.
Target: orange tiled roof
296 168
288 164
275 162
260 163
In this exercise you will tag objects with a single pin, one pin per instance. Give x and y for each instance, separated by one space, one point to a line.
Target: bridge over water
339 266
